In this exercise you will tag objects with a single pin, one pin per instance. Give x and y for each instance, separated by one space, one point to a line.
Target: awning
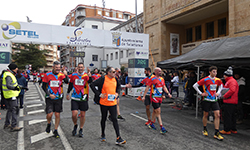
223 53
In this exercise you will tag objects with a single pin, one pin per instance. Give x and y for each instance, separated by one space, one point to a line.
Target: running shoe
234 131
80 133
225 132
120 141
147 123
103 138
152 126
205 133
119 117
56 135
74 130
48 128
163 130
12 129
218 136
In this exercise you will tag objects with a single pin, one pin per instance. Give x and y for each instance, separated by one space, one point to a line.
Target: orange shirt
109 88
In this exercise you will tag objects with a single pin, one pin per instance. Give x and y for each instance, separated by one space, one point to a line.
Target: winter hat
12 66
229 72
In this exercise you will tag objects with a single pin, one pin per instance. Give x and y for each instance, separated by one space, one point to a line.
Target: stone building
177 26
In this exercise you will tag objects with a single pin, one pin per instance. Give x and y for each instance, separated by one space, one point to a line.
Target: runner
79 99
147 98
53 87
107 93
157 85
41 77
34 76
210 84
96 75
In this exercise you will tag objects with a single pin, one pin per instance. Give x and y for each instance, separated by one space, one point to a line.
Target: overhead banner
23 32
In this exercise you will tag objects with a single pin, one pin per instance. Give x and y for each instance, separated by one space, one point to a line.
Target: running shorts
79 105
53 105
206 106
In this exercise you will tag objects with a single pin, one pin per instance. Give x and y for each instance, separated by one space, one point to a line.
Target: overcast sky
55 11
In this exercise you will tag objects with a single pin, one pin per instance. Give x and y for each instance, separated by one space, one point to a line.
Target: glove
17 88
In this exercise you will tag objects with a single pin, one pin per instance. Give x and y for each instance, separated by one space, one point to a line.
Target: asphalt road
184 130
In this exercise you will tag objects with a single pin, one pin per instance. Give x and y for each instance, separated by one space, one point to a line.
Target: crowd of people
107 87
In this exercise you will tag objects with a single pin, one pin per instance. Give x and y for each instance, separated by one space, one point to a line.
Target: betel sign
4 45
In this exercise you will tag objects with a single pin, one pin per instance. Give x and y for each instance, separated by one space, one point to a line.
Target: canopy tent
223 53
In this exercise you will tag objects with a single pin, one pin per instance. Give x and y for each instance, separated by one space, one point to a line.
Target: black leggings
113 113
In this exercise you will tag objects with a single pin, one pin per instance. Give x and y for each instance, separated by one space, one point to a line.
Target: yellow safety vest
7 93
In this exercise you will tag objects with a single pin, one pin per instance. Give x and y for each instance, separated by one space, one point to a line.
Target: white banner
22 32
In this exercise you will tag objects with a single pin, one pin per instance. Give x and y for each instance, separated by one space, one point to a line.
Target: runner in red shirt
96 75
41 77
34 76
79 82
157 85
53 87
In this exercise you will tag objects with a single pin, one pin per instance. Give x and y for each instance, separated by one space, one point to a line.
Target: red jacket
231 97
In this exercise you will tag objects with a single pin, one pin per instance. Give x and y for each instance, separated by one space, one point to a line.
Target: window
94 57
72 15
94 26
114 15
198 33
210 29
111 56
222 26
116 55
189 34
120 15
121 54
107 57
125 17
127 53
107 13
72 23
99 12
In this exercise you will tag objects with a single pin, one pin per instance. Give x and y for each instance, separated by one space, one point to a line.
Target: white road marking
138 117
64 140
35 111
29 98
33 101
34 105
37 121
20 141
40 136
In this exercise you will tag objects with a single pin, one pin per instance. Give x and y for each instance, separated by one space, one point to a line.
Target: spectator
175 82
230 101
21 81
241 96
190 90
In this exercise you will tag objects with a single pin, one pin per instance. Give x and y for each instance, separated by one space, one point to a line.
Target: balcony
48 54
50 64
49 59
80 13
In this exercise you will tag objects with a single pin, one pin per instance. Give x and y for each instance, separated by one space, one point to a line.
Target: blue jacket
21 81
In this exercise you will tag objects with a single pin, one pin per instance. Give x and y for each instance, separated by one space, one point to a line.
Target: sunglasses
112 71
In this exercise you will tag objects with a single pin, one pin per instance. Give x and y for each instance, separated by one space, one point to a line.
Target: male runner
210 84
53 87
147 98
96 75
157 85
79 98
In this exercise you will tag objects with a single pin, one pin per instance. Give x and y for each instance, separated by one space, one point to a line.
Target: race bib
54 83
213 87
79 82
111 97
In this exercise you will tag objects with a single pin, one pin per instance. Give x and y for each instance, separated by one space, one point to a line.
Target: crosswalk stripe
36 121
33 101
35 111
34 105
20 141
40 136
29 98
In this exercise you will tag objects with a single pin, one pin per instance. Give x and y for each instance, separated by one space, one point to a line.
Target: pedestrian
79 82
167 79
53 88
27 77
190 90
241 96
230 101
21 81
147 100
107 93
157 85
175 82
34 76
11 91
210 101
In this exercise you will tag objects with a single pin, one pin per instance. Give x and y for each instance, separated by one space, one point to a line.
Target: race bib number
213 87
54 83
111 97
79 82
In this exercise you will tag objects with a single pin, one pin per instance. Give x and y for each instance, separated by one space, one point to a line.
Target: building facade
176 27
92 17
51 56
